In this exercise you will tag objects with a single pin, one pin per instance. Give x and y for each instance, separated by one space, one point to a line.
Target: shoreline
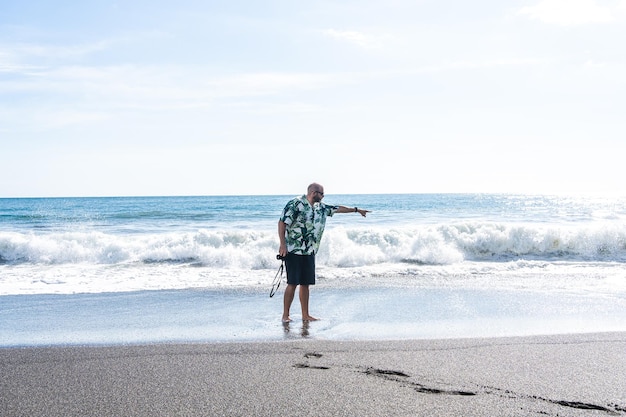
573 374
208 316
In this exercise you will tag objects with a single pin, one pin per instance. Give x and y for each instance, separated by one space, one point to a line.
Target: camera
280 258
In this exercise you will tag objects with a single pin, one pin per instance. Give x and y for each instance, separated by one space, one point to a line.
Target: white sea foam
68 262
341 246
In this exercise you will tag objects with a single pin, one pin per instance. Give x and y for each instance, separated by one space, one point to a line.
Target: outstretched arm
344 209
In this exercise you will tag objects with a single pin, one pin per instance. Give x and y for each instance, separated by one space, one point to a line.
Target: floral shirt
305 225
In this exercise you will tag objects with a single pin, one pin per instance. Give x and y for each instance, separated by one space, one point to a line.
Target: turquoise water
131 230
93 270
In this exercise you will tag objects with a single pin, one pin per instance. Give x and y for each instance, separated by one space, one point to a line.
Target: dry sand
571 375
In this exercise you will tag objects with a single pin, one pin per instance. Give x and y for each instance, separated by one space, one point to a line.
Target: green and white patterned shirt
305 225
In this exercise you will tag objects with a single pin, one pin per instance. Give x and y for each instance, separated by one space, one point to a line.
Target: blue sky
263 97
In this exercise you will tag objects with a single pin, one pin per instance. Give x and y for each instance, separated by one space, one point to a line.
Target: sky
134 98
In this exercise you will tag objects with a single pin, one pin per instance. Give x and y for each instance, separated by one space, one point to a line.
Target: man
300 230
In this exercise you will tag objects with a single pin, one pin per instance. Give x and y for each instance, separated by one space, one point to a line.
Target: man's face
318 194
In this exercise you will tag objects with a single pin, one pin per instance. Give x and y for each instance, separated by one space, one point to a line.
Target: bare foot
309 318
286 319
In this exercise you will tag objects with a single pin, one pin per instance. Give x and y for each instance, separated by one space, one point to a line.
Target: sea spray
139 243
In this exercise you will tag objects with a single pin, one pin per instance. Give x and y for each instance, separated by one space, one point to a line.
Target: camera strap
278 278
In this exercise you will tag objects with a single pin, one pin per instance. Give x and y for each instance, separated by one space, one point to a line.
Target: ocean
187 269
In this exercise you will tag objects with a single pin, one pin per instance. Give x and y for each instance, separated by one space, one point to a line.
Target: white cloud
571 12
12 56
358 38
253 84
134 83
90 95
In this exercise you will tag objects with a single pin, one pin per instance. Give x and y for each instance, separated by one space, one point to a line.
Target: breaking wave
441 244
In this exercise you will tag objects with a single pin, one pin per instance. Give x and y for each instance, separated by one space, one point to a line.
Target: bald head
314 193
314 187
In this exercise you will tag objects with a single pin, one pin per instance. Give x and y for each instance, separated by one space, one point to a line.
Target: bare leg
290 293
304 303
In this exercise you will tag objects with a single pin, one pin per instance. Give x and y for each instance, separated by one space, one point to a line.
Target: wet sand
561 375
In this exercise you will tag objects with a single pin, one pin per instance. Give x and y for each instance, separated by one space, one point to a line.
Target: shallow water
346 314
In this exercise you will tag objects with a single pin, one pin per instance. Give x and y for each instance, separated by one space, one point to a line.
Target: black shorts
300 269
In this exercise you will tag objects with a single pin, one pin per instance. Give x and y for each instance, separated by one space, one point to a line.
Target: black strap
277 278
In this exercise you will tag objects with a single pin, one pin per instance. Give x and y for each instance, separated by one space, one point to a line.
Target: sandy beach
561 375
